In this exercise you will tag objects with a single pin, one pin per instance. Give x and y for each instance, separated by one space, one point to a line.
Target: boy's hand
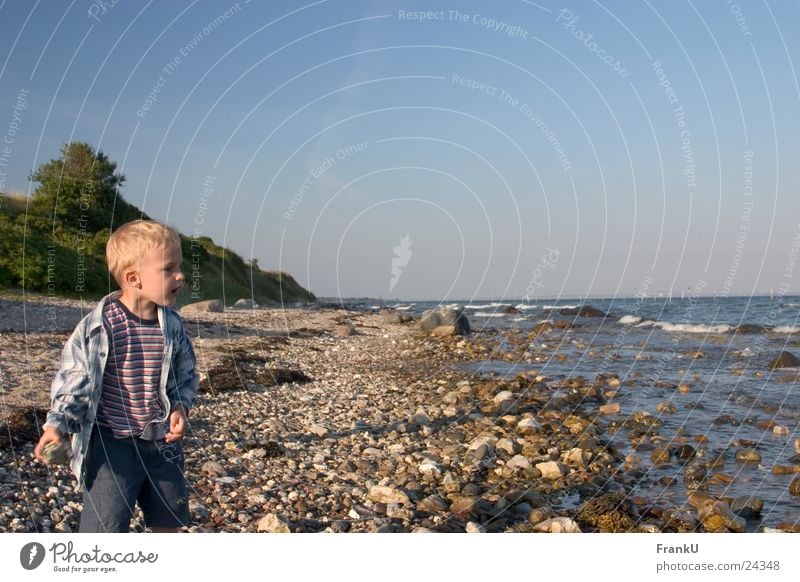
177 424
50 436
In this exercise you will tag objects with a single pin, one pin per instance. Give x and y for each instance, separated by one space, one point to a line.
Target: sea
716 349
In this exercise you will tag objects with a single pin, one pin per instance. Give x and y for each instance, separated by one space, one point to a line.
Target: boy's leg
113 481
163 497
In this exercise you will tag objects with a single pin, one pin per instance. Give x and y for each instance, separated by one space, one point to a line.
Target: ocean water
718 348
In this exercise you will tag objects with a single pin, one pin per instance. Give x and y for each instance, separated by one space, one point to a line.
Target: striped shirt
130 399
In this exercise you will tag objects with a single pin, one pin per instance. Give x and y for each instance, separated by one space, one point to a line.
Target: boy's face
160 275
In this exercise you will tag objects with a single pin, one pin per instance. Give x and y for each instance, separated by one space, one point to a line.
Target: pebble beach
324 419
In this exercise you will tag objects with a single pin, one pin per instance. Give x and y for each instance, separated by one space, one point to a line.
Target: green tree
80 190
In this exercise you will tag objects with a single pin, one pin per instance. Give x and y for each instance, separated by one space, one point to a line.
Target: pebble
272 523
613 408
557 525
394 464
748 455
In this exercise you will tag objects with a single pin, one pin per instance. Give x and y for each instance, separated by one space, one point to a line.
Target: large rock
390 316
785 360
445 316
272 523
210 306
384 494
552 470
557 525
583 311
716 516
609 512
245 304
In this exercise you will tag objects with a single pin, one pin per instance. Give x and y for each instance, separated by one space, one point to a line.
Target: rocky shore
312 420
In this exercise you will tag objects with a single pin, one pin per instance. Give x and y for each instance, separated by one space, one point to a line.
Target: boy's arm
182 390
70 391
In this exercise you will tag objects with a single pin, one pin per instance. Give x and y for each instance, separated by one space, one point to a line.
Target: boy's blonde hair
132 240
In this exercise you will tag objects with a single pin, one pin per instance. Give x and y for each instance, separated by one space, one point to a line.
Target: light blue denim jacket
76 388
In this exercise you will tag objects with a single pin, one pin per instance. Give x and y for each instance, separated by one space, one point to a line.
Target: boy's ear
131 278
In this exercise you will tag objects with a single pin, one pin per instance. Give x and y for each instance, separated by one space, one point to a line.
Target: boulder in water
583 311
444 316
785 360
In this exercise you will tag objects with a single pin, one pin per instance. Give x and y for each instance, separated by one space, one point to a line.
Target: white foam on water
499 305
630 319
474 307
576 306
786 329
487 314
524 306
693 328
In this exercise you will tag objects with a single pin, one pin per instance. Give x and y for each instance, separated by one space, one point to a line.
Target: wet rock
794 486
748 455
685 452
666 408
583 311
245 304
695 474
716 516
784 360
680 520
612 408
660 456
747 506
609 512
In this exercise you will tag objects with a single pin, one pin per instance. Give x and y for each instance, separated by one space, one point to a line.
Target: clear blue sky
521 147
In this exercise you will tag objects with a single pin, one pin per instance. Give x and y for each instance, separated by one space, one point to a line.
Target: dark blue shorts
122 472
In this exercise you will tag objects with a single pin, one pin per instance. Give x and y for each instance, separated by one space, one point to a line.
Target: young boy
125 386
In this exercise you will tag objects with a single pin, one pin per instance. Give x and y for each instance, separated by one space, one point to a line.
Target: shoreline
300 426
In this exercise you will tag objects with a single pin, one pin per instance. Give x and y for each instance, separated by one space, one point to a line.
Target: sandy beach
324 419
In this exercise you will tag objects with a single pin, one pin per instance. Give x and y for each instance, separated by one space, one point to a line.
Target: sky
434 150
